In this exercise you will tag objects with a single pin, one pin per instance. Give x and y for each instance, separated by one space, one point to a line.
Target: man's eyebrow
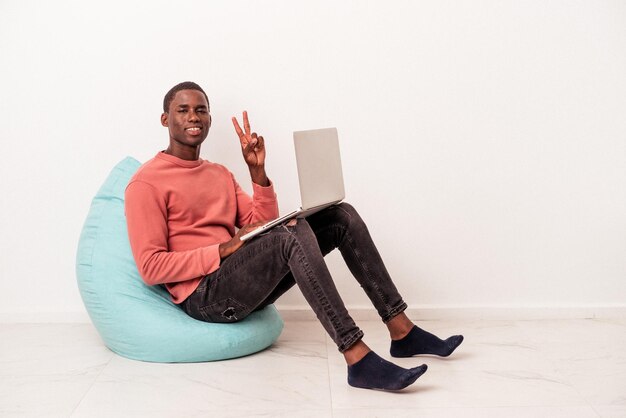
186 105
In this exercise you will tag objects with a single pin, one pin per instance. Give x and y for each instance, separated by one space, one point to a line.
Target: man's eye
182 110
201 111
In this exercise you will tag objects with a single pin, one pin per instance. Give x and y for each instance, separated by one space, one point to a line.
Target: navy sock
419 341
374 372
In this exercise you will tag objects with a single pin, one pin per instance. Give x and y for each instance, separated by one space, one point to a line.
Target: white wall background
484 142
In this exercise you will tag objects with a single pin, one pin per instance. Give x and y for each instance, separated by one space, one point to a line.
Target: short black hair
185 85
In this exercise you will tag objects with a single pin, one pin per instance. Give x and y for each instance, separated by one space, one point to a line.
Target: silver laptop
319 174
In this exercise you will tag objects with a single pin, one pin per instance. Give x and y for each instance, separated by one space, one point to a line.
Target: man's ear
164 119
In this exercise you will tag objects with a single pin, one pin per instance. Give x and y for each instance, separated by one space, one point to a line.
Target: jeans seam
319 293
368 275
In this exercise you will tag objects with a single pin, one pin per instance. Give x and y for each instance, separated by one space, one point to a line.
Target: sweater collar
178 161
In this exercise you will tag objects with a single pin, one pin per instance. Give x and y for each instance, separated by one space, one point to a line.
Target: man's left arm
263 206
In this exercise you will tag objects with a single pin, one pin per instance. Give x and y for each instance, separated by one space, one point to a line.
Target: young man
182 212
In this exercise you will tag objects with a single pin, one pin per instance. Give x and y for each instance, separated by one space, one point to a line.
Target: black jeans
267 266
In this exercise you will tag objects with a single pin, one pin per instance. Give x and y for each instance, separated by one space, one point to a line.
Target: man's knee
347 214
348 208
331 223
342 214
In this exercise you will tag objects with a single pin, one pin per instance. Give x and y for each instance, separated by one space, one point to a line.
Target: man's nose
193 116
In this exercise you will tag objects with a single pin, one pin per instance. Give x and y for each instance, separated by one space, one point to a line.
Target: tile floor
539 368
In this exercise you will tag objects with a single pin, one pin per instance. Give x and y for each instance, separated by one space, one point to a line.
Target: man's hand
229 247
253 150
252 145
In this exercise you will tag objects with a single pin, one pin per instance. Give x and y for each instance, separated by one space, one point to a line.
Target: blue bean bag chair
140 321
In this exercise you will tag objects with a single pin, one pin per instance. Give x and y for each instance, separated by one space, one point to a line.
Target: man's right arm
146 216
229 247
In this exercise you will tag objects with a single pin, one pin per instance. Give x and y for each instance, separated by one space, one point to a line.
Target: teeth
193 129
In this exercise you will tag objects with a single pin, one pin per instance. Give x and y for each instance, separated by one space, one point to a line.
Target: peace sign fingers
252 145
237 128
246 123
244 136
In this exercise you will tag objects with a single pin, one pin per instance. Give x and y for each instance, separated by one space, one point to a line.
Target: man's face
188 119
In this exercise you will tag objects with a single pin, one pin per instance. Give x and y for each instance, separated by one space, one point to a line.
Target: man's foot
418 341
374 372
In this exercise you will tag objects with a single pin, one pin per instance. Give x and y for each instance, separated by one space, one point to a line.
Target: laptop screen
319 167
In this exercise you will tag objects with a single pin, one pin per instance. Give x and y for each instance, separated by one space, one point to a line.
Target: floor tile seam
585 398
113 411
621 407
566 382
57 374
330 387
180 412
54 374
90 388
596 411
481 406
418 408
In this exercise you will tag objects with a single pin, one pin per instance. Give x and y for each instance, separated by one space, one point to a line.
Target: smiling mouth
193 129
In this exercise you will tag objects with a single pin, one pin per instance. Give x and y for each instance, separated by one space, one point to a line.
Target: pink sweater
179 211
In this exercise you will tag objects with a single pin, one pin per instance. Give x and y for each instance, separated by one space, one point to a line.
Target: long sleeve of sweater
146 215
179 212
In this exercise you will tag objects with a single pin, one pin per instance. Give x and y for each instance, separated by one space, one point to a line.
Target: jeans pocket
225 310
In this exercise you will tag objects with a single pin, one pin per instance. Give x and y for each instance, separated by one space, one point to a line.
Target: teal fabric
139 321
